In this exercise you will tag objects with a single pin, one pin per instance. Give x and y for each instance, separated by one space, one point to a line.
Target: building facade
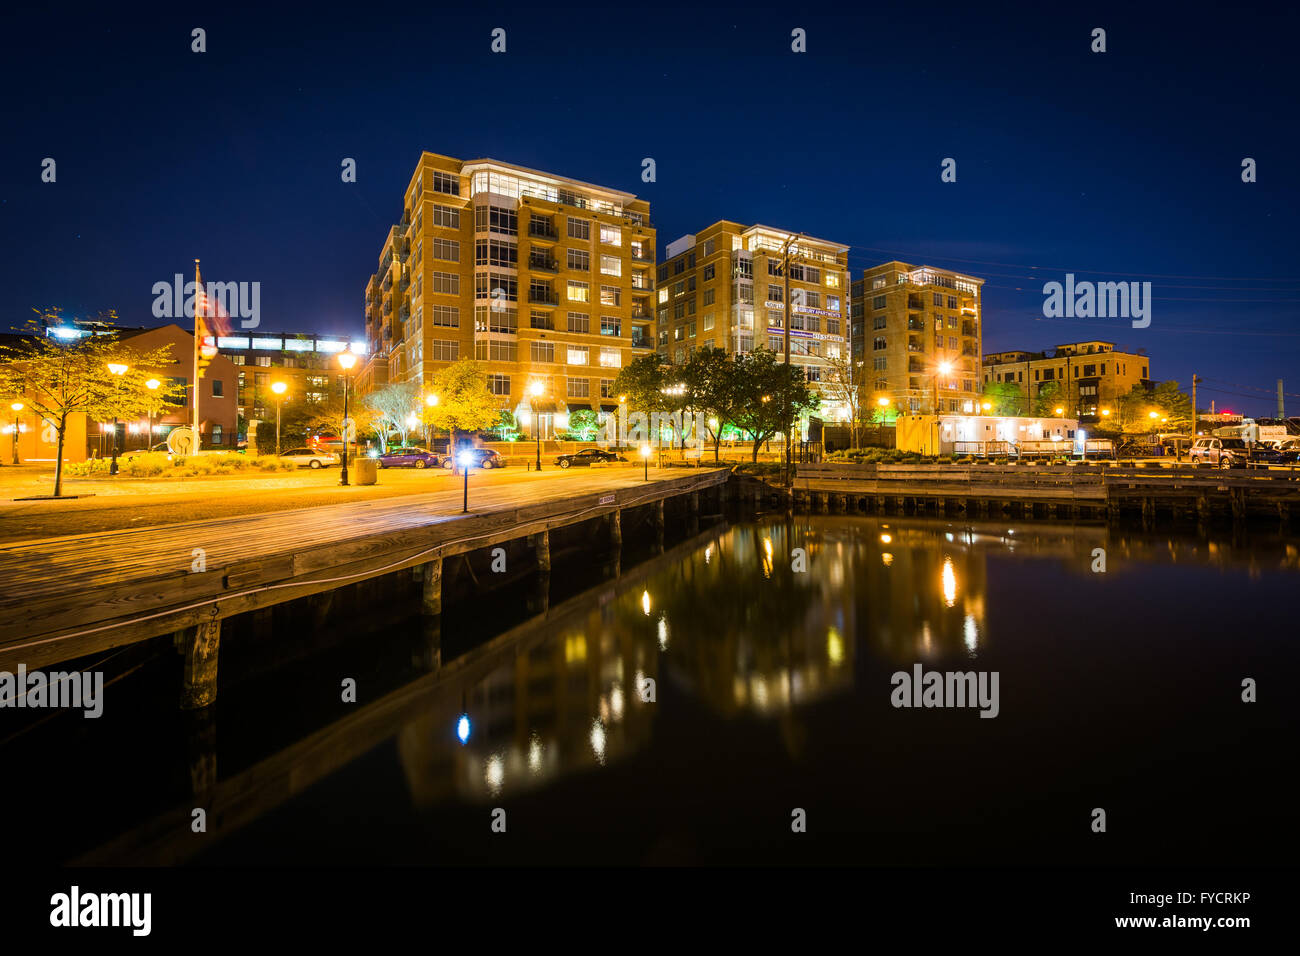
542 278
723 287
307 364
1089 377
917 331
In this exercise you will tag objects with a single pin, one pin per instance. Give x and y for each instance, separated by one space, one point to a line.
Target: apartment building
540 277
307 364
917 332
723 287
1091 375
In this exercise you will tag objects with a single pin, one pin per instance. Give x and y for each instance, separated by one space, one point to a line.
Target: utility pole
199 302
1281 407
1195 381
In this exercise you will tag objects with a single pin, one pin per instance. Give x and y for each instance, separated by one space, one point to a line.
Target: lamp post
346 360
152 385
465 459
535 390
279 388
645 456
16 407
119 370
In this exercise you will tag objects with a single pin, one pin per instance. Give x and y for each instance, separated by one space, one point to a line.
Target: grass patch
156 464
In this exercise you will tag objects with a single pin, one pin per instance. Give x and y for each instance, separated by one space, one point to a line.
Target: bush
156 464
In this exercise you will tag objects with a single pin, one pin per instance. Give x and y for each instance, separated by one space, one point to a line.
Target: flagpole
198 324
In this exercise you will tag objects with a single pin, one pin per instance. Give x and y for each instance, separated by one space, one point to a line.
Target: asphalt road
118 503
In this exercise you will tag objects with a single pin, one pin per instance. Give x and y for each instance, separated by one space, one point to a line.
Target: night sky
1117 166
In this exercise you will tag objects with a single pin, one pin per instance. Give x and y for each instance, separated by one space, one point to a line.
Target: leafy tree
583 425
843 386
1006 398
1048 399
769 395
465 403
643 381
1134 406
1173 404
327 415
710 379
57 378
391 407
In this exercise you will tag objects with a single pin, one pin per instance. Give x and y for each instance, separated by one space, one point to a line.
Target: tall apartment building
722 287
542 278
917 332
1092 375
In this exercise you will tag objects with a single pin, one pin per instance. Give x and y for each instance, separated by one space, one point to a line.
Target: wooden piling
431 600
199 675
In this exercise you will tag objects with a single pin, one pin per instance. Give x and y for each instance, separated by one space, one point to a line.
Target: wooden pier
68 597
1079 492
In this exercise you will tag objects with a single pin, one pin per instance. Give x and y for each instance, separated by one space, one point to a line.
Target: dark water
1118 690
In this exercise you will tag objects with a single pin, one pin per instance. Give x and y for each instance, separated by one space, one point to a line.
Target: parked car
408 457
309 458
482 457
1231 453
127 455
588 456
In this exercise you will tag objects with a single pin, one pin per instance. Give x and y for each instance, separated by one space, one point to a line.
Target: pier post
431 601
693 511
659 525
1148 512
199 676
1237 497
616 530
1203 508
542 549
201 744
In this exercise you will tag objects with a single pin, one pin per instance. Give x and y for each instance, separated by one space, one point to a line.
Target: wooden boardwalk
77 595
1083 490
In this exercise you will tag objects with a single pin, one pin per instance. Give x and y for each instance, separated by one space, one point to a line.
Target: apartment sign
803 310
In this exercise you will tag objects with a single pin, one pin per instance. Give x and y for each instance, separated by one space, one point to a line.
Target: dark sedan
409 457
588 456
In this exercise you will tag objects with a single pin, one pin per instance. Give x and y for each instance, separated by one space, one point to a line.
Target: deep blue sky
1124 165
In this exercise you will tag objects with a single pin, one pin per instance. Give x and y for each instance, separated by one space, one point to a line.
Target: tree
843 386
465 403
710 379
583 425
1006 398
327 415
1134 406
391 408
641 382
58 378
769 395
1048 400
1172 404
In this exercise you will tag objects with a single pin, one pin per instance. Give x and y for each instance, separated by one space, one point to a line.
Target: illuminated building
1091 375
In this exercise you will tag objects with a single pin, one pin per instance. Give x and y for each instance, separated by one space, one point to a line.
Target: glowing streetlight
645 456
279 388
987 406
465 459
1105 411
16 407
535 390
118 369
346 361
883 401
1059 411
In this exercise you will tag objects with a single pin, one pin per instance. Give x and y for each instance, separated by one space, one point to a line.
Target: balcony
642 283
647 258
915 347
543 297
968 328
641 341
542 229
915 325
543 264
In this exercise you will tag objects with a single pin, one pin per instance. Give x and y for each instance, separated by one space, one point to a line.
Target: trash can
366 470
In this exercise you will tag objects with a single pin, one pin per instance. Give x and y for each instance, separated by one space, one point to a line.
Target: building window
878 344
446 316
579 260
445 350
218 388
611 266
611 295
579 355
579 322
495 252
611 358
543 352
496 219
579 228
579 291
446 283
499 384
495 350
448 183
218 435
446 216
878 302
577 387
611 235
447 250
611 325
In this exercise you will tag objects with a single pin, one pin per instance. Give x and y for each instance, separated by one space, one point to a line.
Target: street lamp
152 385
430 401
1059 411
645 456
535 390
16 407
118 369
346 360
279 388
465 459
942 369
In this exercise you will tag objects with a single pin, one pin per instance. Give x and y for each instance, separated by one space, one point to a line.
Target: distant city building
543 278
917 331
723 287
306 363
1091 375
